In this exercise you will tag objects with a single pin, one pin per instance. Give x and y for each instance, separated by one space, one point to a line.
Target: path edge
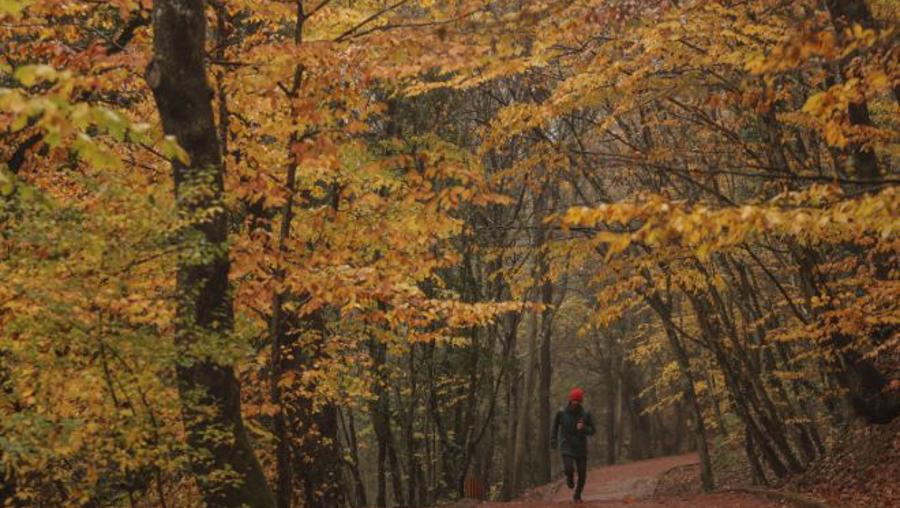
554 488
794 498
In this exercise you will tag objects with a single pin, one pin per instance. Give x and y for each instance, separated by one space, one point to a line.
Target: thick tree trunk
210 392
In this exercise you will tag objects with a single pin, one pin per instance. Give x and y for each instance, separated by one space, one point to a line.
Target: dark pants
569 464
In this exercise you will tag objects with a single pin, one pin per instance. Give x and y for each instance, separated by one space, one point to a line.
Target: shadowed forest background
333 253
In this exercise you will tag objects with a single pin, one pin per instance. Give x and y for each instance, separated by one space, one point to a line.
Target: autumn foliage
332 253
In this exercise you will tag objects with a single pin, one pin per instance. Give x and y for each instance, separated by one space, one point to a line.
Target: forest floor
860 471
633 485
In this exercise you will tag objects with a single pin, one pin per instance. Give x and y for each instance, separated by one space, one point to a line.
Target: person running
571 427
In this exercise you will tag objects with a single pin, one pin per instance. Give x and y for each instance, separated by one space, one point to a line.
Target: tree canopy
344 253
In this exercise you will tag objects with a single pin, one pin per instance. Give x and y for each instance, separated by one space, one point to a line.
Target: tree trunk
317 462
380 475
413 463
866 386
524 409
544 412
756 470
379 408
348 424
845 14
609 381
542 291
664 311
210 392
448 451
512 404
639 447
679 429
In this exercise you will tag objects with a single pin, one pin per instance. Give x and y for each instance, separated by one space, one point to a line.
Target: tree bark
379 409
278 329
524 408
845 14
639 445
609 381
407 426
317 462
544 412
664 311
177 77
749 397
867 389
756 470
348 424
512 404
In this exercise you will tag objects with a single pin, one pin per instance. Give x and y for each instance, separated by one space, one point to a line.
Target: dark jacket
571 441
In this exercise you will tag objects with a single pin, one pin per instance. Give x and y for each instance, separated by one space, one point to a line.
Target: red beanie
576 394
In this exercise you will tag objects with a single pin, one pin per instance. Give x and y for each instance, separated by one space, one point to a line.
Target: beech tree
330 253
177 76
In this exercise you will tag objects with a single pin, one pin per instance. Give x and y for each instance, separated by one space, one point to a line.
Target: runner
571 427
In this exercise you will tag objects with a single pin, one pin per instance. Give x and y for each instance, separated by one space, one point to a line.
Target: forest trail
636 480
632 485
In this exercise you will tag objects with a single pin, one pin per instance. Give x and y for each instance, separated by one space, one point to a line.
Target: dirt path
636 480
632 485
